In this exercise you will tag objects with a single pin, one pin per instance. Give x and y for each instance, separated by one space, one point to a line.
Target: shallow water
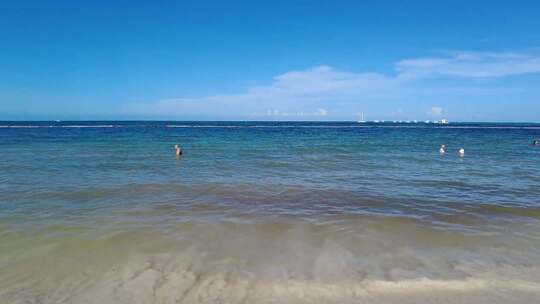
103 212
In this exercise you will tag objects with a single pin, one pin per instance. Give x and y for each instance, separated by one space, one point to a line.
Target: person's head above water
178 150
536 142
442 150
461 152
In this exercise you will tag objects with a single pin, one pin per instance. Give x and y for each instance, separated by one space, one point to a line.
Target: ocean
269 212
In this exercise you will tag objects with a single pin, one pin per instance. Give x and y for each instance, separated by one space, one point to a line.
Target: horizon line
411 121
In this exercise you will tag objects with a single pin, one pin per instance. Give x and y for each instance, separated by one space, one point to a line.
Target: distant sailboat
362 118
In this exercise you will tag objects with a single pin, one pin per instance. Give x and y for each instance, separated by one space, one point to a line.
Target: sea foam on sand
163 281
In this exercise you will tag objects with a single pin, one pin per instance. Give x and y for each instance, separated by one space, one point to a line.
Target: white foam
154 285
90 126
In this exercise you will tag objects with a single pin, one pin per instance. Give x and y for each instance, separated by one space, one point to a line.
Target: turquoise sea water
266 212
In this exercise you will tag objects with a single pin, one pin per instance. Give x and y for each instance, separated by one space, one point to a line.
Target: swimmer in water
442 150
461 152
178 150
536 142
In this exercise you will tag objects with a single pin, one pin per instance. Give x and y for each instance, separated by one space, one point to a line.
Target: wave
518 211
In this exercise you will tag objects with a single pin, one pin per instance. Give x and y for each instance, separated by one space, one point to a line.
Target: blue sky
277 60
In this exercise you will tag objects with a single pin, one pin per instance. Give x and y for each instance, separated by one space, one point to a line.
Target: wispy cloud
297 115
298 93
435 111
470 65
291 92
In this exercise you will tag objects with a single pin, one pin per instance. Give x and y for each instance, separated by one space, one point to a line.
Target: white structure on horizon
441 122
362 118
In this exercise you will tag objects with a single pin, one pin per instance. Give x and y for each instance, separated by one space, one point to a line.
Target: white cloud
321 112
471 65
293 92
300 114
324 87
435 111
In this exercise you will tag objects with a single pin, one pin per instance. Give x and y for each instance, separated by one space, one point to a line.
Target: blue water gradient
61 171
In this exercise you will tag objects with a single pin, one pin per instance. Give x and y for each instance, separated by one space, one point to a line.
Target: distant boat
362 118
441 122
